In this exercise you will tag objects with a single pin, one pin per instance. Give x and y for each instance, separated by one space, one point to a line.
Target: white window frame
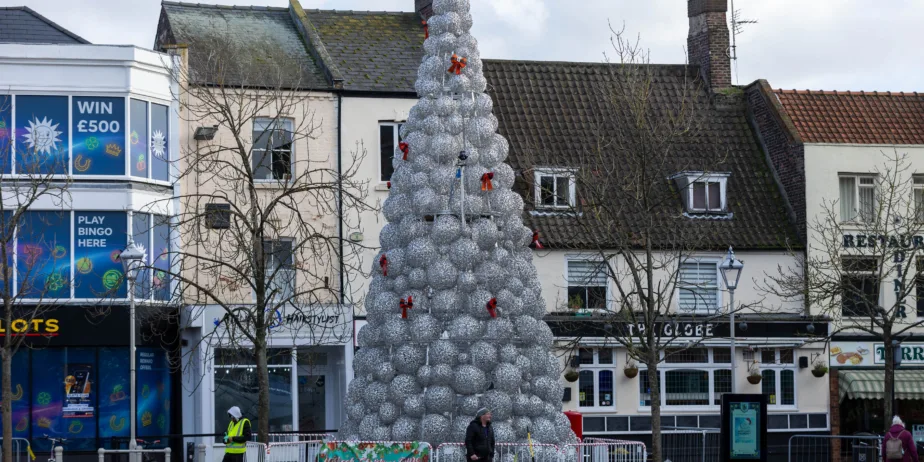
597 368
283 123
591 259
685 182
711 367
396 131
777 367
718 288
555 173
858 215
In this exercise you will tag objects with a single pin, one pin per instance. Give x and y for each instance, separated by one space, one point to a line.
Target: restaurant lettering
882 241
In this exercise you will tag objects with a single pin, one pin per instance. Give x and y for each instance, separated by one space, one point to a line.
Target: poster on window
99 238
44 260
160 253
78 390
139 162
745 430
153 392
160 154
6 126
98 125
114 386
41 135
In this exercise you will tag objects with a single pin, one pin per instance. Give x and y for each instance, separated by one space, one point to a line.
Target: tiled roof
251 28
374 51
555 107
856 118
21 24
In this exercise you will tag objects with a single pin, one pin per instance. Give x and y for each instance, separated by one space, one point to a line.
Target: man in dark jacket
898 432
479 437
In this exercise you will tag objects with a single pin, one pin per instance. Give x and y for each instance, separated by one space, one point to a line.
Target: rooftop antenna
738 24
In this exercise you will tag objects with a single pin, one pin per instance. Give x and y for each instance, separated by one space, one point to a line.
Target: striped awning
870 384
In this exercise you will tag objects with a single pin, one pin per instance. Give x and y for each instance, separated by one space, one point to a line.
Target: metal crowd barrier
136 455
606 450
22 451
834 448
254 452
685 444
593 449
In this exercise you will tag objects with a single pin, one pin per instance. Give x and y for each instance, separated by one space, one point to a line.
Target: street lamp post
731 273
132 262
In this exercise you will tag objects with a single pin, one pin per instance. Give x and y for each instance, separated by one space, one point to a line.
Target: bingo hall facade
93 127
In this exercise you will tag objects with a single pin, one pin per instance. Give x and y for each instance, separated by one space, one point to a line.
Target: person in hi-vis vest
237 436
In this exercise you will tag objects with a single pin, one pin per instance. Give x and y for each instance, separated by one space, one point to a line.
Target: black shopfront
71 377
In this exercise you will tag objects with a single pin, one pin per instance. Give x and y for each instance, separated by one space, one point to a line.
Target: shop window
721 355
141 233
860 286
153 392
778 376
21 395
160 142
389 137
236 385
586 388
768 386
114 399
272 149
555 189
64 397
139 139
699 286
723 384
586 284
586 355
41 134
605 355
160 256
44 263
644 388
788 387
690 377
595 385
6 126
687 356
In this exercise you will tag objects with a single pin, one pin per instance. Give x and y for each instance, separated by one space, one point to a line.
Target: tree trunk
889 377
654 381
263 397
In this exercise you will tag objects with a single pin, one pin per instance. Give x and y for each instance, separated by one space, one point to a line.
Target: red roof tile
855 117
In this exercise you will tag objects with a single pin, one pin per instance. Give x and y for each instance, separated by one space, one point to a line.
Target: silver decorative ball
356 411
385 372
439 399
442 375
508 353
446 305
405 429
469 405
507 378
544 430
503 432
484 356
446 229
443 352
467 281
536 406
424 375
417 278
484 233
499 328
522 424
465 327
469 380
368 336
434 428
463 253
441 274
389 238
401 387
499 403
459 427
426 328
414 406
395 331
408 358
396 207
368 426
388 413
421 252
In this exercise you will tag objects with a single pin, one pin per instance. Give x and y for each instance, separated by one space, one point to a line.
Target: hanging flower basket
572 375
754 379
819 370
631 371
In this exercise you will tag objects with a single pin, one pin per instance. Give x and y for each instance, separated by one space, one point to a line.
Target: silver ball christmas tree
454 307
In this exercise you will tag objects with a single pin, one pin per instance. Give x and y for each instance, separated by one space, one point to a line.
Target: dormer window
703 193
554 189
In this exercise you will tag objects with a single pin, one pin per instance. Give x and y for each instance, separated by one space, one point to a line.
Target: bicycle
147 456
54 443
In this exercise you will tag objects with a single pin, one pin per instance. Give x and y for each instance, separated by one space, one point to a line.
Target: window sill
382 187
666 408
606 409
272 184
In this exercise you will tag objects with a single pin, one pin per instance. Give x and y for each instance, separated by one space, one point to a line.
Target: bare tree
30 283
647 125
259 210
864 269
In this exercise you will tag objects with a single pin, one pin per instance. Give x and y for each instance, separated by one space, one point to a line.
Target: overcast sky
804 44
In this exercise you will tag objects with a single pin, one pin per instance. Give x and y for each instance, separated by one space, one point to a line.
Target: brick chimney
708 41
424 8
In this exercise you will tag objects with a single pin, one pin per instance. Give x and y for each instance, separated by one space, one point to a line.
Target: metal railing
593 449
22 451
136 454
605 450
834 448
254 452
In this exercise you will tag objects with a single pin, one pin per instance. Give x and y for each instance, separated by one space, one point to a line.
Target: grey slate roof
555 106
374 51
253 30
21 24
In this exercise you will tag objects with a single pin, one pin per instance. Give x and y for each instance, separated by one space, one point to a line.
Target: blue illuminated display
99 136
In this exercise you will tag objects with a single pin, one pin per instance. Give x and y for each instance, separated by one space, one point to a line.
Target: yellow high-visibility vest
236 429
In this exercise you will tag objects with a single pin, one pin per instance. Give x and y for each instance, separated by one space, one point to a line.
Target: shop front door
311 402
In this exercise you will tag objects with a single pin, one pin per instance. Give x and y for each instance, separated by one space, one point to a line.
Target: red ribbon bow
383 262
457 64
388 184
426 29
406 305
492 307
486 184
536 244
405 148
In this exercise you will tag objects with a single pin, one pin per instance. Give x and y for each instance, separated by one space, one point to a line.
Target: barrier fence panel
294 437
605 450
137 454
503 452
690 445
813 448
22 452
296 451
255 452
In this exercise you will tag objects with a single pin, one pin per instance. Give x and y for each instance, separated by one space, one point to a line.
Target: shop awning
870 384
